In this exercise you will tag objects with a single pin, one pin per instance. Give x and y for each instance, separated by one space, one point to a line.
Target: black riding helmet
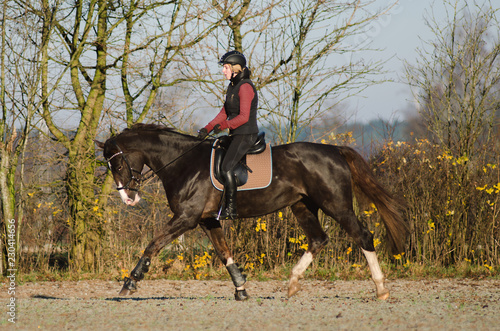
233 57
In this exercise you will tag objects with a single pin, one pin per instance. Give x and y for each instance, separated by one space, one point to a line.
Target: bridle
132 170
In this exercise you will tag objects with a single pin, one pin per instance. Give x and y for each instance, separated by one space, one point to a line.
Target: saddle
257 157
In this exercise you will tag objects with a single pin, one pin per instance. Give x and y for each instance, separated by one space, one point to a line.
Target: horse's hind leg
377 275
364 238
213 229
307 217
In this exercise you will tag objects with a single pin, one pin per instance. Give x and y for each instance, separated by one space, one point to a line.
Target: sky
398 34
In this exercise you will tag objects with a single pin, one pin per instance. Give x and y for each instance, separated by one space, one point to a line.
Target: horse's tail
389 208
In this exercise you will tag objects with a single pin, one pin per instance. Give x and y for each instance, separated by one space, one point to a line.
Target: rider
239 115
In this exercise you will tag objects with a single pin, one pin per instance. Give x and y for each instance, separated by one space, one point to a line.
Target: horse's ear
99 144
112 131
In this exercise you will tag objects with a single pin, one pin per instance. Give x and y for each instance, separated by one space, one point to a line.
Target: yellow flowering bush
452 200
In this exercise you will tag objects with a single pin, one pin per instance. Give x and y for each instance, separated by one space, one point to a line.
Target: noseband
131 170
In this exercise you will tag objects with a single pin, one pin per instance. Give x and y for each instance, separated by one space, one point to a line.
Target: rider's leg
229 212
237 149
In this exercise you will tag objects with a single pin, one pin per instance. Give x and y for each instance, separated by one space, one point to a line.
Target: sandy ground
209 305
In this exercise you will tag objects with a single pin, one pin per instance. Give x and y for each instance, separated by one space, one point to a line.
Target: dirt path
209 305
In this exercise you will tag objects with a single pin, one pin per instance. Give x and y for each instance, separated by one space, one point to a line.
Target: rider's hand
203 133
217 129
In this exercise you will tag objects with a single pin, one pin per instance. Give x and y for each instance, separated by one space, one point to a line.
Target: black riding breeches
239 146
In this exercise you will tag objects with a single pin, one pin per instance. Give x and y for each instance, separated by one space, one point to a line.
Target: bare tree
22 59
113 57
298 52
456 80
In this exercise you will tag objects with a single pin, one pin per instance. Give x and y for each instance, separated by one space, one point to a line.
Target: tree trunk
84 221
8 203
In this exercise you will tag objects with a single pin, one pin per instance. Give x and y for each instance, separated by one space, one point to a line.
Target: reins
154 172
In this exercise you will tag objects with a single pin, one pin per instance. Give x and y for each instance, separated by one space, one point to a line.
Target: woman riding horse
307 177
239 115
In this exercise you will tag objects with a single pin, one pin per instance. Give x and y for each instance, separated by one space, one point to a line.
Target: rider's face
227 71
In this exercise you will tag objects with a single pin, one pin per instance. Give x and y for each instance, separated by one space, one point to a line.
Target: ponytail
245 73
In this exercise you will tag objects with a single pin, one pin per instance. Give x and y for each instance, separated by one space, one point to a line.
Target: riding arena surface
443 304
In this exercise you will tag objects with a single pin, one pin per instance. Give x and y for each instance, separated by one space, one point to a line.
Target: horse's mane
149 127
145 127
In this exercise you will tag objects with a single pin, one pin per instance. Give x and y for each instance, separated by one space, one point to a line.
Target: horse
307 177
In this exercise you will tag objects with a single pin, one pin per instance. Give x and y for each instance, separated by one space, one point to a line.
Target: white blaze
126 199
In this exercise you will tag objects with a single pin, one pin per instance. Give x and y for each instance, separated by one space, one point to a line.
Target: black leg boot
229 212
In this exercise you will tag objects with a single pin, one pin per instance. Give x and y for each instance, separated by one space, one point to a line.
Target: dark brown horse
306 176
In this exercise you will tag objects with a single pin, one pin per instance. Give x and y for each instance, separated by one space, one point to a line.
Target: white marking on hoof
377 275
298 272
293 286
125 291
383 295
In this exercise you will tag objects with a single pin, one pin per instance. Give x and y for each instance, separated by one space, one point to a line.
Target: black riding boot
229 212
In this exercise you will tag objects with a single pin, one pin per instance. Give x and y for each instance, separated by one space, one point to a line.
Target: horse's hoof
383 295
124 292
129 287
293 287
241 295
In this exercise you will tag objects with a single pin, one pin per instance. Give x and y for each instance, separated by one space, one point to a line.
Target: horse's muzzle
129 200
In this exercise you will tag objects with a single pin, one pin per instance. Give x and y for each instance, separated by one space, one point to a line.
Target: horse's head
126 167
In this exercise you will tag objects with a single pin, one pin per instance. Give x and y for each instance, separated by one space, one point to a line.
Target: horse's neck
166 148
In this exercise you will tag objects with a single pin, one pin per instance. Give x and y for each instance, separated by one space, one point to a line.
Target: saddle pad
261 175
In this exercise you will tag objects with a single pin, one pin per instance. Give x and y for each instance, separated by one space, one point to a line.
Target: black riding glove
217 129
203 133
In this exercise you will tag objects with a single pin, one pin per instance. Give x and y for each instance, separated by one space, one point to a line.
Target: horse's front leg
174 228
137 274
213 229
